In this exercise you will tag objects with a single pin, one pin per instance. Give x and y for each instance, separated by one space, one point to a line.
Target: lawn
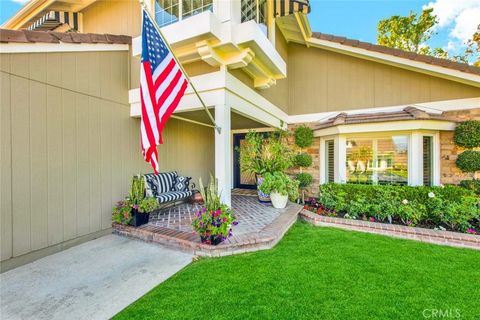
322 273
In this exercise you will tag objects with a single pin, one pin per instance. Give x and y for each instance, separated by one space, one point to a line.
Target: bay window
381 158
171 11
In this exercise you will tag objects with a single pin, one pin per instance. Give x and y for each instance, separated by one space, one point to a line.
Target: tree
409 32
473 47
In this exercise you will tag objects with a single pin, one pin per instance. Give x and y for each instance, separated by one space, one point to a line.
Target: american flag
162 85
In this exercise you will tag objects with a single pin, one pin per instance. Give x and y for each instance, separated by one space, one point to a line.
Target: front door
242 180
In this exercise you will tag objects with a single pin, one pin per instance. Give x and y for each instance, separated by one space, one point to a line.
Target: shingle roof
464 67
408 113
26 36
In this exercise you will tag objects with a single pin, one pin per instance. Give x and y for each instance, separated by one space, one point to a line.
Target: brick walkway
260 227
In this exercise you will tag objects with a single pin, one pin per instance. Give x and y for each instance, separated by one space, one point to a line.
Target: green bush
467 134
451 206
303 136
304 179
469 161
303 160
473 185
281 183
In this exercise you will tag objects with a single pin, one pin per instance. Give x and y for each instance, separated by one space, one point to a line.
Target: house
71 107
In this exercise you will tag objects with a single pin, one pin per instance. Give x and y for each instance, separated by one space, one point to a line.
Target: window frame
415 154
181 12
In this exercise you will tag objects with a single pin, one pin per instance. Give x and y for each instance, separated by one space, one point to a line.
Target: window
382 160
427 161
329 161
255 10
171 11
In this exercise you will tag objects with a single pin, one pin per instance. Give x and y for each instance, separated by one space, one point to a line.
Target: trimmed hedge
304 179
303 136
451 206
473 185
303 160
469 161
467 134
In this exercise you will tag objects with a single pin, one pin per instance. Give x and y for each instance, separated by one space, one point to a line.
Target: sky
357 19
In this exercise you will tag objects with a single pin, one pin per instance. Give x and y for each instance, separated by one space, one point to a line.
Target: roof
464 67
26 36
408 113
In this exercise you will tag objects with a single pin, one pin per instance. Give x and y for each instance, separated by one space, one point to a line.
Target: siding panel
6 169
83 165
55 165
21 166
38 165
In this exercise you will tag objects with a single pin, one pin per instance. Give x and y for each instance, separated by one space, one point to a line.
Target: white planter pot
278 201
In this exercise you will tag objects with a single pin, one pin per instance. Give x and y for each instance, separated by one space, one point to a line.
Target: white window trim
415 157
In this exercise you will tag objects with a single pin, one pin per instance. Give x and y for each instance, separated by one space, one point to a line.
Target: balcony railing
171 11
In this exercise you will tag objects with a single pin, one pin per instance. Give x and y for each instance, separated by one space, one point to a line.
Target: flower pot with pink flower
214 221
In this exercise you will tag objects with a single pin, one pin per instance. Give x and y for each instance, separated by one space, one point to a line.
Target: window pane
392 160
166 12
378 160
359 161
255 10
427 161
193 7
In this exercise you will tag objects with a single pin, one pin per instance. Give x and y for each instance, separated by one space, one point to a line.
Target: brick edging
447 238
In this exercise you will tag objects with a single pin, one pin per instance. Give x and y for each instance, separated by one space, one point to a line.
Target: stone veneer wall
449 173
314 151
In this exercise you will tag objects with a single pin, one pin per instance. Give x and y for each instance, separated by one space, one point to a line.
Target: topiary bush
467 134
304 179
303 160
469 161
473 185
303 136
450 206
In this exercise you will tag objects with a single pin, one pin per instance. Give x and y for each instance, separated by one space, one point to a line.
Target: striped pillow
166 181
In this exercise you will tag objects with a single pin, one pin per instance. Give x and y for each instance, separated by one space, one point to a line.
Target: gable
321 81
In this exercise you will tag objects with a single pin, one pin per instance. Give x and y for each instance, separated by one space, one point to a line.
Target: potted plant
136 208
213 222
260 155
280 187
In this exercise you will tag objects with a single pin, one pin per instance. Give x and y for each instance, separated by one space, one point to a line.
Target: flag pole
145 8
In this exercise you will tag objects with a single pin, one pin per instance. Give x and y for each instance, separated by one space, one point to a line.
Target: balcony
232 45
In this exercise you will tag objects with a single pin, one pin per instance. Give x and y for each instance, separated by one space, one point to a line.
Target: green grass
321 273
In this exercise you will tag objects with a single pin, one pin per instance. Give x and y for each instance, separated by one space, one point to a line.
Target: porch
260 227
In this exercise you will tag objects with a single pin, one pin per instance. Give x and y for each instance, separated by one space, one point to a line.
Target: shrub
304 179
467 134
473 185
469 161
303 136
451 206
281 183
303 160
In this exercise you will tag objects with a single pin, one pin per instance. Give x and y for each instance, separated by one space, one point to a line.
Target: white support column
223 152
340 169
415 151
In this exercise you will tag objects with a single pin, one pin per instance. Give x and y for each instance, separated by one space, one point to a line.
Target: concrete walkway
94 280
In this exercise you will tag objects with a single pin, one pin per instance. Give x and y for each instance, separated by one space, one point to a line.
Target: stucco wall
69 147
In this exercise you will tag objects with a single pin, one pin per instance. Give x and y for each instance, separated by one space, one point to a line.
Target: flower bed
444 208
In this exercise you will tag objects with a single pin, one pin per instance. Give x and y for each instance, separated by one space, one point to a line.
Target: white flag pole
145 8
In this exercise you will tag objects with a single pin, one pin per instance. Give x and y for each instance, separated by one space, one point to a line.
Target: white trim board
451 74
387 126
432 107
60 47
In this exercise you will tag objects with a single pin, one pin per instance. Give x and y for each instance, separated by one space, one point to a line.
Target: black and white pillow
151 184
181 183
